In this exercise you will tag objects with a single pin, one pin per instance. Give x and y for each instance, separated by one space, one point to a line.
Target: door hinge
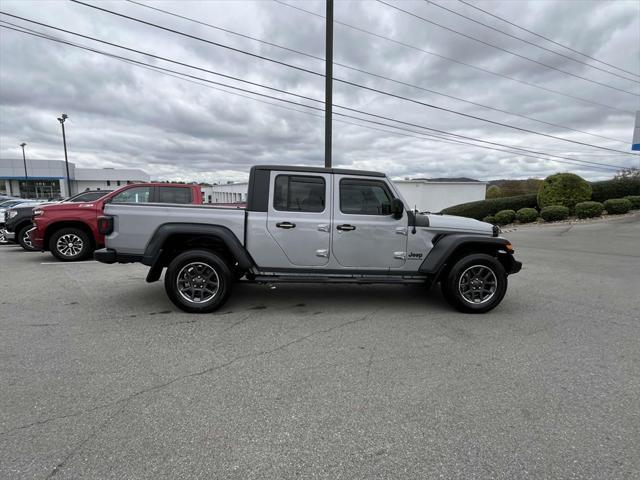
322 253
401 230
400 255
324 228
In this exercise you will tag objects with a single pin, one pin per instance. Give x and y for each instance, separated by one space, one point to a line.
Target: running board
364 279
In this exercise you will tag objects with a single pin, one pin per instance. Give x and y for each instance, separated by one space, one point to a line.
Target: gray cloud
125 116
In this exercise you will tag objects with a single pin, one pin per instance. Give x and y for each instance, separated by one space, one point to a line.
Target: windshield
88 196
10 203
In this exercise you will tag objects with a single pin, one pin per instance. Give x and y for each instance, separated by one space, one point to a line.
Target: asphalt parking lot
102 377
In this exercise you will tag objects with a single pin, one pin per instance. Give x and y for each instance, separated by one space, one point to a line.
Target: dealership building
48 178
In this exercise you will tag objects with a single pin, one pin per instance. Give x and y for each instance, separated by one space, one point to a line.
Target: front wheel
475 284
198 281
70 245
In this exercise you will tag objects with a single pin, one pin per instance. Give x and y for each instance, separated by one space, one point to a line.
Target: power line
179 76
382 92
431 2
246 81
524 57
453 60
545 38
139 63
400 82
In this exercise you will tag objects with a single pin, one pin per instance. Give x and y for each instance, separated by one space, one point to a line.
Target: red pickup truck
70 230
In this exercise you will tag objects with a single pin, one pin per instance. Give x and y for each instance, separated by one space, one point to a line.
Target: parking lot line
69 263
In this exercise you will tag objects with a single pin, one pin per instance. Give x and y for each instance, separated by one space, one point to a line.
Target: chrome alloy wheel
69 245
477 284
26 240
198 282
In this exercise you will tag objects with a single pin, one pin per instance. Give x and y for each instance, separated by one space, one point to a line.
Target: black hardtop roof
340 171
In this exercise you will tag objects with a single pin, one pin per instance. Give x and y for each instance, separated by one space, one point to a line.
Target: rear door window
174 195
297 193
133 195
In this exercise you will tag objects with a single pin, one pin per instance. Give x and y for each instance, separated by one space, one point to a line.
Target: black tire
70 245
198 281
23 239
476 283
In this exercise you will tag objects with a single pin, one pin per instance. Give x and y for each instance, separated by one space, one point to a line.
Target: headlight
13 213
37 211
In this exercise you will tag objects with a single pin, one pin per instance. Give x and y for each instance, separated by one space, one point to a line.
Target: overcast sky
122 115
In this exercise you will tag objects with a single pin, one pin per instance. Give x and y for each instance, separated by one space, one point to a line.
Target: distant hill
447 179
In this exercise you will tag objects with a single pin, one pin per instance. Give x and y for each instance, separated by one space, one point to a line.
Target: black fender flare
437 258
153 251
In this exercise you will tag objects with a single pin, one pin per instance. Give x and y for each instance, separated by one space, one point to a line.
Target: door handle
286 225
345 228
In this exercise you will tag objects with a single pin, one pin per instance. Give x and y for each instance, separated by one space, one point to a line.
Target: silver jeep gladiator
305 224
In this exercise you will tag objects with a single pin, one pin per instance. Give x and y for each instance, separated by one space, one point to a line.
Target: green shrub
616 188
635 201
563 189
482 208
503 217
489 219
493 192
588 209
554 213
527 215
617 206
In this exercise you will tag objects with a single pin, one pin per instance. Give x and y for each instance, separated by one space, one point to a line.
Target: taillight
105 225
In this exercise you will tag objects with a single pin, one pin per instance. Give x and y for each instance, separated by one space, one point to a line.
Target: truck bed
136 223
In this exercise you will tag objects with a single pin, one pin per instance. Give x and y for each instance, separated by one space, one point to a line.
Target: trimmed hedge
617 206
635 201
527 215
489 219
588 209
554 213
563 189
483 208
616 188
504 217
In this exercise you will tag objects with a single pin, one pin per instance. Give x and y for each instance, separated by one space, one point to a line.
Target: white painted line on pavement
69 263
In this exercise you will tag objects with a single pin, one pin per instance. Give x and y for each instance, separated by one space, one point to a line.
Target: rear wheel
70 245
24 240
198 281
475 284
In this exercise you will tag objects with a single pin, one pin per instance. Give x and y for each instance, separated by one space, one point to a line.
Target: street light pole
328 84
24 159
61 119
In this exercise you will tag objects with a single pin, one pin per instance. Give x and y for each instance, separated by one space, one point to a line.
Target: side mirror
397 208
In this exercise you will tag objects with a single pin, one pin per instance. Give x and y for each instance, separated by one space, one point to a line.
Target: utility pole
61 119
328 84
24 159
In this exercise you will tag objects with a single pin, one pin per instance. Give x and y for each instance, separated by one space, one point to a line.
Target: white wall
227 193
434 196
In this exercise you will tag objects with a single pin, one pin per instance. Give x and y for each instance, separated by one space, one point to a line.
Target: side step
364 279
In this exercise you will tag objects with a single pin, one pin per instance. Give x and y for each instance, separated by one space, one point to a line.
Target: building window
108 183
299 193
118 183
40 189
